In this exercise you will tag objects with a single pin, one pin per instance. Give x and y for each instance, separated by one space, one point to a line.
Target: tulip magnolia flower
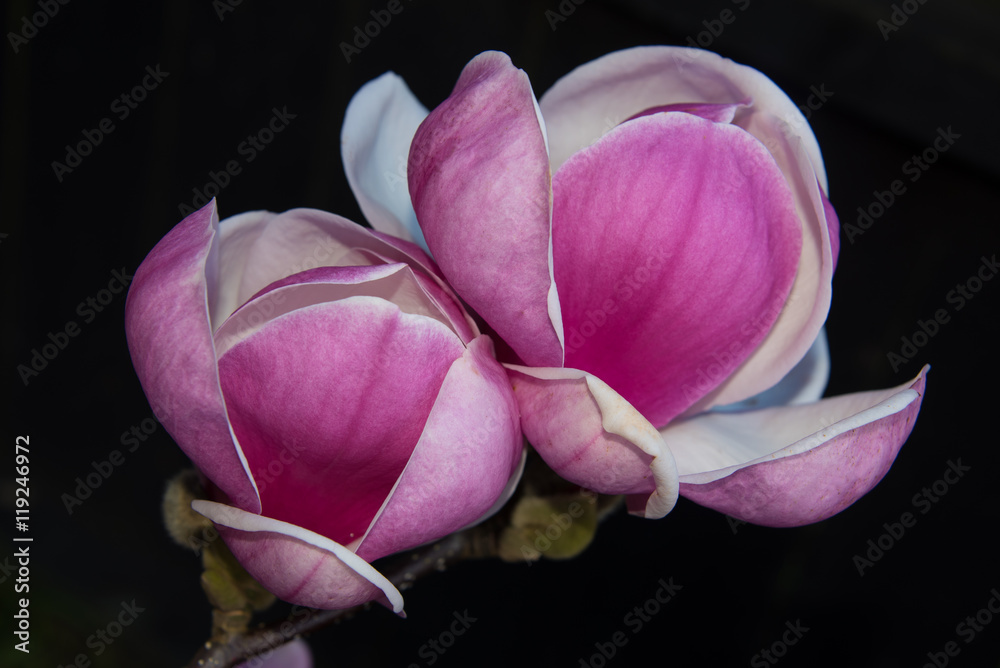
329 384
653 241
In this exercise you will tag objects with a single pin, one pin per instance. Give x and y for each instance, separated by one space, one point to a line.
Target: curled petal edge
807 490
618 418
234 518
169 337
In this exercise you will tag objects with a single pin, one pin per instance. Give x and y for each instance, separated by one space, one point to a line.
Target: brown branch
232 644
228 652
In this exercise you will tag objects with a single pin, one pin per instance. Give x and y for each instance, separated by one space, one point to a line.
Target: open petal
595 97
808 304
479 181
470 448
588 434
794 465
298 565
170 340
374 143
333 398
675 244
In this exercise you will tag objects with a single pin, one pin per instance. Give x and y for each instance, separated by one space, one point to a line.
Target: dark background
62 241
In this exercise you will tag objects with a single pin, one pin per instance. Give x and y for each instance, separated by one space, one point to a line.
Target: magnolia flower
653 241
328 384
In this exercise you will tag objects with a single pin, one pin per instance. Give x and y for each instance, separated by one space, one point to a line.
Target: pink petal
302 239
808 304
298 565
330 400
833 225
396 283
773 467
717 113
671 236
170 340
400 250
470 448
479 182
591 436
374 144
595 97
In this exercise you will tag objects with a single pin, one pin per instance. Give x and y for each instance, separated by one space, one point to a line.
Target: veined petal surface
670 234
334 392
479 181
170 340
774 467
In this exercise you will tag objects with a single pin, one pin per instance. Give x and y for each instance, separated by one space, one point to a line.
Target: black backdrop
229 65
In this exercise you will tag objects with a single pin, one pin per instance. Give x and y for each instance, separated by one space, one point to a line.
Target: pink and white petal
294 654
508 490
670 235
236 236
379 125
401 250
297 565
808 304
332 398
833 225
597 96
470 448
170 341
590 435
715 112
804 384
479 181
774 467
302 239
395 283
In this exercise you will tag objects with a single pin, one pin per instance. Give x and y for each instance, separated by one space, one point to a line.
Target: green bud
185 526
227 584
559 526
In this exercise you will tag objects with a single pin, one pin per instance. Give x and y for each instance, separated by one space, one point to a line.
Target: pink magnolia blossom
327 382
653 241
